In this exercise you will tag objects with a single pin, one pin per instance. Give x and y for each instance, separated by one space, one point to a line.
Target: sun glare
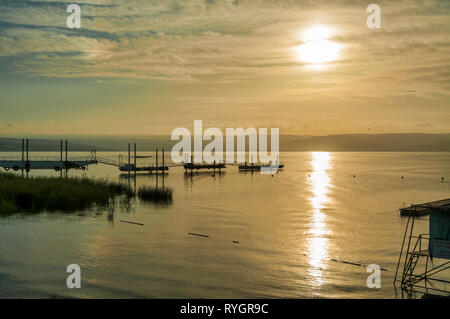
318 49
317 33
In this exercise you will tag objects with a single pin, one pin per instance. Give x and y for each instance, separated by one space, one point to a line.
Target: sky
147 67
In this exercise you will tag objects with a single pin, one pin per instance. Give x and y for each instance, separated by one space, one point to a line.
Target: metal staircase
418 276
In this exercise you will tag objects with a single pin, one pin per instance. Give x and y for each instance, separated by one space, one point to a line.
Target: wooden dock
149 169
204 166
130 167
59 164
424 209
257 167
214 166
64 163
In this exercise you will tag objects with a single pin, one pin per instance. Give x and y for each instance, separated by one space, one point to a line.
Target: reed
155 194
37 194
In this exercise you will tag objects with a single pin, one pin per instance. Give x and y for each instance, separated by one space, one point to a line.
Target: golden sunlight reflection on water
318 243
290 228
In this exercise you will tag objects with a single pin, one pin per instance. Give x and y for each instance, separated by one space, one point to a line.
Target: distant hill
368 142
416 142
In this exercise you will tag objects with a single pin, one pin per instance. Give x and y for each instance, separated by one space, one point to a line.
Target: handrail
48 159
401 250
108 161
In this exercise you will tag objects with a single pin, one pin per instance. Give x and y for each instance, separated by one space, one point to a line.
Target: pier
133 167
214 166
59 164
64 163
257 167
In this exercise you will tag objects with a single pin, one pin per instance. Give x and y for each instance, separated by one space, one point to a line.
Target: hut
424 260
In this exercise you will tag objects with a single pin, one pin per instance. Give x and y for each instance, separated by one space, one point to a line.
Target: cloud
223 41
230 59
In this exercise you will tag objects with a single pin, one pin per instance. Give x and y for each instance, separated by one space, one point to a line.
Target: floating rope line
350 263
125 221
198 235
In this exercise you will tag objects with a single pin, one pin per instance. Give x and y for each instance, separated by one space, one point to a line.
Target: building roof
425 208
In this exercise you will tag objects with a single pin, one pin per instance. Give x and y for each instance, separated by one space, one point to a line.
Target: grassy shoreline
155 194
38 194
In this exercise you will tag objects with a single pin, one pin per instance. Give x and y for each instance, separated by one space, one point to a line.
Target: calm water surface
289 228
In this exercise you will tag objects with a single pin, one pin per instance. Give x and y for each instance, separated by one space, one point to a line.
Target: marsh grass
155 194
37 194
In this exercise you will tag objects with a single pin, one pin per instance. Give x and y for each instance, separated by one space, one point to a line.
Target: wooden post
163 167
67 163
129 154
134 160
129 159
27 169
27 151
23 150
156 168
61 158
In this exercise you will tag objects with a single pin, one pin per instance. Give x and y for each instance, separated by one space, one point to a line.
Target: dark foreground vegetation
155 194
37 194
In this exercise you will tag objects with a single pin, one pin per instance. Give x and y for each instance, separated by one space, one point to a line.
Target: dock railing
46 159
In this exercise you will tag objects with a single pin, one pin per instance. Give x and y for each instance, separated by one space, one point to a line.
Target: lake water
290 227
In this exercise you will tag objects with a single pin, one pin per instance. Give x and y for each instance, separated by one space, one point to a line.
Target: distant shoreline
409 142
281 151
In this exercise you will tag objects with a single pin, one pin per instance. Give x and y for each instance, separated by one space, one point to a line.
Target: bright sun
317 48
